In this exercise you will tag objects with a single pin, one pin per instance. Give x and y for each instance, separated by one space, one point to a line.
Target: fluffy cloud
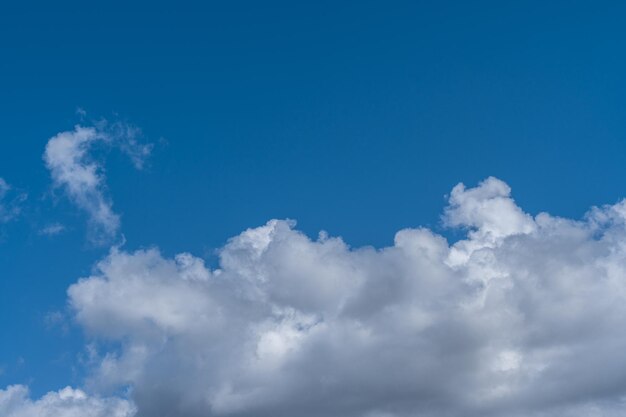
523 317
9 205
67 156
14 402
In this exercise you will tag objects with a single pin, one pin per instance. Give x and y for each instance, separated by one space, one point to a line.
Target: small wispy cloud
81 176
52 229
56 319
10 202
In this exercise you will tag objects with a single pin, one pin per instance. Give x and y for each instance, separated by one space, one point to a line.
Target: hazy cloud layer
15 402
74 170
524 317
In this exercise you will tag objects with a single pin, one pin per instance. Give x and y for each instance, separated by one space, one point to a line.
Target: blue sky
357 118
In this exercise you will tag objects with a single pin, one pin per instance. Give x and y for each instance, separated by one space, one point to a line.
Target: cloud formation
74 170
68 402
523 317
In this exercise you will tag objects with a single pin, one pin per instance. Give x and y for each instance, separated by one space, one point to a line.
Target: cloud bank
523 317
68 402
73 169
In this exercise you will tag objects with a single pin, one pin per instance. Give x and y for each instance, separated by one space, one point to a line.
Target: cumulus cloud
10 202
68 402
523 317
73 169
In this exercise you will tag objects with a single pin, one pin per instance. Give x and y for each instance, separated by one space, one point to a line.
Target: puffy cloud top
521 318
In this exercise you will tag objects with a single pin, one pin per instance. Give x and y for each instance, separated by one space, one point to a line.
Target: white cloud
72 168
68 402
521 318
